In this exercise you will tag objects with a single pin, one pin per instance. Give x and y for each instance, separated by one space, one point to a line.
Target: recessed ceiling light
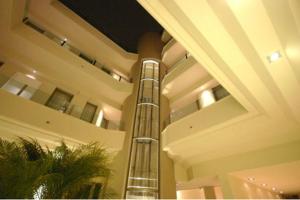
264 184
281 192
273 188
251 179
274 56
65 39
30 76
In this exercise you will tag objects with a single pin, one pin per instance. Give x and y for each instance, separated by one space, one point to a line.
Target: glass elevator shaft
143 176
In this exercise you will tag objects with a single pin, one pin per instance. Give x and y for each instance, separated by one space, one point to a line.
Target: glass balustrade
179 62
64 43
26 91
219 93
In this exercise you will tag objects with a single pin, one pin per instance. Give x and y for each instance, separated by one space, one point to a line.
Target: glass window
59 100
88 112
18 88
220 92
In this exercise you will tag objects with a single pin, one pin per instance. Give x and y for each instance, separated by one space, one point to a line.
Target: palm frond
27 168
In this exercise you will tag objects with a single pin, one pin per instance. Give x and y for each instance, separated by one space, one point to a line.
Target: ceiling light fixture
251 179
273 188
264 184
34 71
30 76
281 192
274 56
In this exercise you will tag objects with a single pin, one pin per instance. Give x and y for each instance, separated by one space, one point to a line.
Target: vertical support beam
209 192
225 186
167 170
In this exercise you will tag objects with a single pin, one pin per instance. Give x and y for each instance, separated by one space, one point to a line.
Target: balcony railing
219 93
23 90
64 43
182 60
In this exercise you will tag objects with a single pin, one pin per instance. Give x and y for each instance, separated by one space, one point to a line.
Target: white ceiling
284 177
232 39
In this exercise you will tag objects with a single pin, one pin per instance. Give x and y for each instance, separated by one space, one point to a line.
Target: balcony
172 52
178 68
25 118
195 123
218 94
63 42
30 49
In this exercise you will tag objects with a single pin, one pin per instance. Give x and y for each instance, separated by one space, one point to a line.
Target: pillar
142 169
209 192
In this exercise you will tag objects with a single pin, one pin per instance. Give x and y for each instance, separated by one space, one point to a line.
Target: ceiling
232 45
284 177
198 183
123 21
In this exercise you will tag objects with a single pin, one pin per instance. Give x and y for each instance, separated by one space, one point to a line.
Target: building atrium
191 99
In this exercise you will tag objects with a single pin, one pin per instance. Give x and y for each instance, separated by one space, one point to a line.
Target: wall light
206 98
274 56
30 76
99 119
251 179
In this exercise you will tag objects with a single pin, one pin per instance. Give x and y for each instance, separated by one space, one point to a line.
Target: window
88 112
220 92
59 100
87 58
22 89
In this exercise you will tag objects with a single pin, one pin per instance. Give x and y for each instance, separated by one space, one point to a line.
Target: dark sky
123 21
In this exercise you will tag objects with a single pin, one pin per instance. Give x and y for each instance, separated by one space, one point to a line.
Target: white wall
197 193
245 190
25 118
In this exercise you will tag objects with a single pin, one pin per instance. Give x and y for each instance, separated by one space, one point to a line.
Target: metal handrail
74 50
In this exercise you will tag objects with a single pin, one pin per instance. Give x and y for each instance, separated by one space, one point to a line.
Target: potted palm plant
29 171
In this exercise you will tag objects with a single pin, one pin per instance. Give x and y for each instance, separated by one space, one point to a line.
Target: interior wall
116 183
245 190
197 193
218 192
47 87
208 192
224 166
